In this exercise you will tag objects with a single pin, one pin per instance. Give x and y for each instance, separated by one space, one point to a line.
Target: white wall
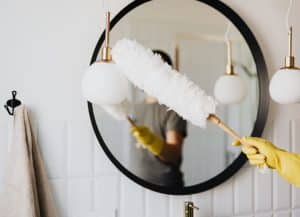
45 47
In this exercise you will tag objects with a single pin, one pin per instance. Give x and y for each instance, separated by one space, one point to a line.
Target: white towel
27 192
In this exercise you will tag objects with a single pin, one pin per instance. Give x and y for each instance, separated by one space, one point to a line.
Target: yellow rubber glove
264 152
145 137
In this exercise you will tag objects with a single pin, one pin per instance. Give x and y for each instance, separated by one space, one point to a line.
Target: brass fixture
189 209
106 50
177 57
229 67
289 62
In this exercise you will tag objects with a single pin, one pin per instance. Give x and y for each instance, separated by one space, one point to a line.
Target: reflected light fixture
103 83
285 83
230 88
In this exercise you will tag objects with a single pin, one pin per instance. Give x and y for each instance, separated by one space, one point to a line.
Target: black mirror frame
263 105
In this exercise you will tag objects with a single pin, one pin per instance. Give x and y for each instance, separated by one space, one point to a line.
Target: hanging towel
27 192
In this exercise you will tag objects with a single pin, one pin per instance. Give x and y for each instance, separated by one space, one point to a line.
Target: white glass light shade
230 89
103 83
285 86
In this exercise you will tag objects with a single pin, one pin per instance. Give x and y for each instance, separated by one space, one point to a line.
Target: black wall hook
12 103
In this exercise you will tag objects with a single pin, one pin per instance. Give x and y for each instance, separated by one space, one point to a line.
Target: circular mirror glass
191 37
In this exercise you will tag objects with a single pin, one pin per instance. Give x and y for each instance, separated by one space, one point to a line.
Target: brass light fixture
230 88
103 83
229 67
106 50
284 86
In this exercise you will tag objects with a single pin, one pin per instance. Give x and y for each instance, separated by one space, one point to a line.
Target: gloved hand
145 137
262 152
259 152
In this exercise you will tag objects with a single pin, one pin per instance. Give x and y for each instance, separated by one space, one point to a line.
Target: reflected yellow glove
264 152
145 137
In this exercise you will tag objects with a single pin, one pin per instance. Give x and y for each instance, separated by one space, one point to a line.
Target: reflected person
161 132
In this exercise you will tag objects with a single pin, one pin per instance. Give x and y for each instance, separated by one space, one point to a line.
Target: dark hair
164 56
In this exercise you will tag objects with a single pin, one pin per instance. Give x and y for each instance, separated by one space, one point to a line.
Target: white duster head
148 72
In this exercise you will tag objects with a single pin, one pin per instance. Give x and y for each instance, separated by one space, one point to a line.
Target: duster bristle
148 72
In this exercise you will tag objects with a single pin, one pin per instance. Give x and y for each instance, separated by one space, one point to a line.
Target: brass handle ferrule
290 59
106 50
229 67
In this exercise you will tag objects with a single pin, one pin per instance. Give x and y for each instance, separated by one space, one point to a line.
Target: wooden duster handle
217 121
130 121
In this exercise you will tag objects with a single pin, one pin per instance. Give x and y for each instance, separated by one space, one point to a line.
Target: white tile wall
52 43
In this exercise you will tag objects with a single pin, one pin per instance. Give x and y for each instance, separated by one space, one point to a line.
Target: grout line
253 190
212 202
234 191
144 201
292 148
168 206
118 196
66 166
272 137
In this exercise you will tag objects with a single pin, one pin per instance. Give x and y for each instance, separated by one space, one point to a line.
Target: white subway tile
282 193
243 191
295 140
263 191
282 189
281 134
59 187
296 213
295 135
264 215
3 148
204 202
52 140
157 205
282 214
80 197
244 216
132 199
295 197
80 149
223 199
103 165
106 195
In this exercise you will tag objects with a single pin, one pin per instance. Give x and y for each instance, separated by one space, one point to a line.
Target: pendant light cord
229 67
287 17
105 6
106 50
226 36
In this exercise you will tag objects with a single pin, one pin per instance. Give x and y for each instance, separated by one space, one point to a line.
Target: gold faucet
189 209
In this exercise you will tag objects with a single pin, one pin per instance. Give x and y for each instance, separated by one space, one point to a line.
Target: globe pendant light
285 84
230 88
103 83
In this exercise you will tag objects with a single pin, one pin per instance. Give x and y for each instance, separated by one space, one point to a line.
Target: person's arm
168 151
261 152
171 152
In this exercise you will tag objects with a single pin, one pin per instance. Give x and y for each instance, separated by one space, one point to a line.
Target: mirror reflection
163 148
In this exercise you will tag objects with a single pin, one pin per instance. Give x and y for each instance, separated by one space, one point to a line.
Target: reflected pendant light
285 83
230 88
103 83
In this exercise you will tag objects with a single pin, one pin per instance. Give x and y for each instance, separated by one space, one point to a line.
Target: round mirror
190 36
